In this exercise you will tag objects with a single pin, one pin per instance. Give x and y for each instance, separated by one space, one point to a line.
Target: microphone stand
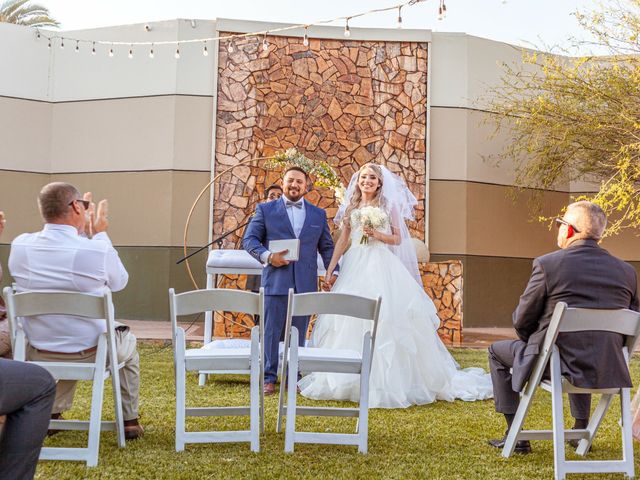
218 241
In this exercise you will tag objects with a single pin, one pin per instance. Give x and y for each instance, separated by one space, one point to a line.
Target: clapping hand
101 222
3 220
90 214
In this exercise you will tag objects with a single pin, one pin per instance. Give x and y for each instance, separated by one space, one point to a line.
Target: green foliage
321 172
439 441
20 12
578 119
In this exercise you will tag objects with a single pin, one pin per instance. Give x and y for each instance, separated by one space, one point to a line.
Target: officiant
303 227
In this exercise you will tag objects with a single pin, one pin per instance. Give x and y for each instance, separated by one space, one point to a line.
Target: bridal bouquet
373 217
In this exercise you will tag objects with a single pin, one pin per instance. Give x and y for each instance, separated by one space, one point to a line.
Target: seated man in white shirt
61 257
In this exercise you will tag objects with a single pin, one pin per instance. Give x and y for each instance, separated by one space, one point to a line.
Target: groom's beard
294 197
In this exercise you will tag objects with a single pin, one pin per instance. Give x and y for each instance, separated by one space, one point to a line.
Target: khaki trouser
129 373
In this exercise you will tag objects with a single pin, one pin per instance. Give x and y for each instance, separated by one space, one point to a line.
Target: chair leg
283 373
594 423
255 396
518 420
363 418
117 396
291 392
181 386
558 417
627 438
97 396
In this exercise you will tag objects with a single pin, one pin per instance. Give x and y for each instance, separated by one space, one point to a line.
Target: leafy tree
578 118
20 12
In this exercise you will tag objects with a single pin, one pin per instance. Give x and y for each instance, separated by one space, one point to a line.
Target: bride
411 365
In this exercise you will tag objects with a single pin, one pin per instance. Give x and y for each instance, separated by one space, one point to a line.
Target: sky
543 24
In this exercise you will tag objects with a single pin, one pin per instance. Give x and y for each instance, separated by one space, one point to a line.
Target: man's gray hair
54 200
591 220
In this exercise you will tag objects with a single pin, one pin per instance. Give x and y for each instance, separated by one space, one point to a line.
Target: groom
287 218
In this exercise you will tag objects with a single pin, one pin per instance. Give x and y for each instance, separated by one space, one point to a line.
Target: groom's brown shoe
522 446
269 389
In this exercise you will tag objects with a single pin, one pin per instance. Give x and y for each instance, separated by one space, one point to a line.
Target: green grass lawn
442 440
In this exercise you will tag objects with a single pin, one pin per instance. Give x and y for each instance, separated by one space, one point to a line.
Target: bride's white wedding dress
411 365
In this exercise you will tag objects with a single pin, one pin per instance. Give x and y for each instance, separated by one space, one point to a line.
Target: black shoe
522 446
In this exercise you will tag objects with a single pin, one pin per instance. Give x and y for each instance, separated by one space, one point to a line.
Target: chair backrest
565 320
215 299
31 303
320 303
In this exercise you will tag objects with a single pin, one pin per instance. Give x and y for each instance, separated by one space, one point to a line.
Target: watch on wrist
269 258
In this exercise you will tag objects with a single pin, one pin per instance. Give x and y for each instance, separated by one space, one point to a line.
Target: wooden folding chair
106 365
566 319
309 359
222 360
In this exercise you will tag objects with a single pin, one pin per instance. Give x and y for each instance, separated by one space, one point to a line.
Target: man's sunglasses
561 221
85 203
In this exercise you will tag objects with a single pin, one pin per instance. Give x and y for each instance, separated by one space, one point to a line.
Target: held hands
329 280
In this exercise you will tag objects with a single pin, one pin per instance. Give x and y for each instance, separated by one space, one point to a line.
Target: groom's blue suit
271 222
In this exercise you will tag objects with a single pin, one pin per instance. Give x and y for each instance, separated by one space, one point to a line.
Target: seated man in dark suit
584 276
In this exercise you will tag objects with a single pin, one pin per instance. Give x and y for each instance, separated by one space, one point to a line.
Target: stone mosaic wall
345 102
442 282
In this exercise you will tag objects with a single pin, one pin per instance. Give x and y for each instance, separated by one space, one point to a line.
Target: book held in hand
293 245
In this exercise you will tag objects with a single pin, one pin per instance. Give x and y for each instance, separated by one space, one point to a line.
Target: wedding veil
399 202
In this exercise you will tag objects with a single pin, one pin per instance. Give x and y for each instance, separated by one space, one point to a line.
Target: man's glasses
562 221
85 203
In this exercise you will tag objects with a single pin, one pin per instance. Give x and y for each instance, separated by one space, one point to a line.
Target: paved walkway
159 330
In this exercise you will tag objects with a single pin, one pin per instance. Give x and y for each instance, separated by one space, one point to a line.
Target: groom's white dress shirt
57 258
296 216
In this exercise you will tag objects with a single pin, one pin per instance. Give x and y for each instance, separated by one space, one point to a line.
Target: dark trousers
501 359
27 392
275 312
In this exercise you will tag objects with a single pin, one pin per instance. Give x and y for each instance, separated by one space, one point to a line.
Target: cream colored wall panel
84 76
139 204
18 199
448 160
449 73
25 135
124 134
193 133
25 63
186 187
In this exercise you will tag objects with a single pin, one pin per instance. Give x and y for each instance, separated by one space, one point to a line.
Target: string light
130 51
93 48
151 54
38 35
400 16
205 52
62 44
77 46
49 44
230 46
177 54
347 32
305 40
442 10
111 52
265 43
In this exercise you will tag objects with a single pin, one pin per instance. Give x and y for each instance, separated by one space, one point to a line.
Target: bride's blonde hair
357 193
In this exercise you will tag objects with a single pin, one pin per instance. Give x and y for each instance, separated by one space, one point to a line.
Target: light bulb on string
400 16
49 44
205 52
151 54
305 39
130 52
38 35
77 46
265 43
111 52
347 32
177 54
93 48
62 44
442 10
230 46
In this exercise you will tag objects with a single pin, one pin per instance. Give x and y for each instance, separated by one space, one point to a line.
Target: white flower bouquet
373 217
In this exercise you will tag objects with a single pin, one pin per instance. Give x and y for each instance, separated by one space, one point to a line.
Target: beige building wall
140 132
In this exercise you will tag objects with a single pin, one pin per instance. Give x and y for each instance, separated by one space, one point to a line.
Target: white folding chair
222 360
308 359
106 365
566 319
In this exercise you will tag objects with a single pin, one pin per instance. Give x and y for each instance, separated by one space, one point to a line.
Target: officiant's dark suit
279 220
583 275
